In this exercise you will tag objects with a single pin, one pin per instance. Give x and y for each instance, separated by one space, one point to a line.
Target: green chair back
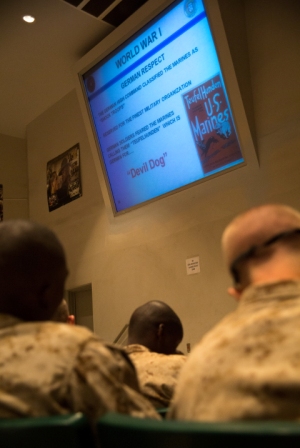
121 431
163 412
61 431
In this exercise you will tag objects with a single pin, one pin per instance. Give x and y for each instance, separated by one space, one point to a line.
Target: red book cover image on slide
212 125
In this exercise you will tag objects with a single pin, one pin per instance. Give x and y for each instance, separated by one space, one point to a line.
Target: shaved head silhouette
156 326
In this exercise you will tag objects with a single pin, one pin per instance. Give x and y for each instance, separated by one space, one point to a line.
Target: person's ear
160 331
44 296
71 319
235 293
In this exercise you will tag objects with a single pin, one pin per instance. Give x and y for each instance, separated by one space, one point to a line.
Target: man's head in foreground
262 245
33 270
156 326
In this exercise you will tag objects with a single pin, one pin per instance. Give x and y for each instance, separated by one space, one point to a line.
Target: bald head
156 326
33 270
255 233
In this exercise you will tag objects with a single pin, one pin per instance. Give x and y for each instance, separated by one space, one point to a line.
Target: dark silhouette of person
154 334
47 367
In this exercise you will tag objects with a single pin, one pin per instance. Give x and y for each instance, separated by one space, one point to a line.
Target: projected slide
160 108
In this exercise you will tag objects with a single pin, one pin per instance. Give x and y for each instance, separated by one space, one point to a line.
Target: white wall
13 177
141 255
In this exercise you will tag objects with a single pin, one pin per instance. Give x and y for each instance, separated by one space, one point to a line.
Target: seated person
47 367
247 367
62 314
154 333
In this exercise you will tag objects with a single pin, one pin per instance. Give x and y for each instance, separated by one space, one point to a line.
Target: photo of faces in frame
63 178
1 202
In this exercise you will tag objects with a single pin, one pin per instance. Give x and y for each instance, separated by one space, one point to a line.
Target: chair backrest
61 431
115 430
162 412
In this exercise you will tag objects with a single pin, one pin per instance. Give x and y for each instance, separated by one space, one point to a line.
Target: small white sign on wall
192 265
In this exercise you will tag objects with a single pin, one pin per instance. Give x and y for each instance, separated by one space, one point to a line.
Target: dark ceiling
112 12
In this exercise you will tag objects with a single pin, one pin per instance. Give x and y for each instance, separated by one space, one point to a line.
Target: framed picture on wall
1 202
63 178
